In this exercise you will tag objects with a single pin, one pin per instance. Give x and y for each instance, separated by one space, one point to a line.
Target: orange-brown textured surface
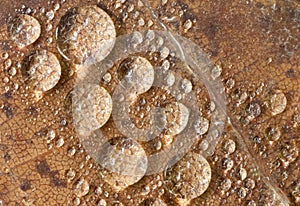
255 44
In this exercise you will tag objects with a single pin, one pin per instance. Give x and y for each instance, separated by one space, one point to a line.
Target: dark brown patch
55 181
8 111
25 185
43 168
7 157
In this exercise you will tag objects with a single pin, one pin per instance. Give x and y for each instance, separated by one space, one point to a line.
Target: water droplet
186 86
107 77
24 30
164 52
177 116
137 74
229 146
136 39
85 35
170 79
227 163
7 63
250 183
201 126
216 72
76 201
50 135
5 55
253 110
92 107
44 70
278 103
81 188
12 71
242 192
242 173
50 15
124 162
189 177
102 202
71 151
225 185
187 25
70 175
272 133
60 142
98 191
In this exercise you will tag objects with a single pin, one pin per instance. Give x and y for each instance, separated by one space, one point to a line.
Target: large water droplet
188 178
92 107
85 35
136 74
24 30
124 162
44 70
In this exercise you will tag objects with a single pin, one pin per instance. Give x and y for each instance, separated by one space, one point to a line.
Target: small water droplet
278 103
216 72
242 173
70 175
164 52
81 188
201 126
102 202
50 135
186 85
272 133
229 146
12 71
60 142
50 15
107 77
225 185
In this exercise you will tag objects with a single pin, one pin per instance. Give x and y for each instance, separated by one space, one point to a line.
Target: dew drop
85 35
107 77
81 188
92 107
124 162
24 30
177 116
50 135
189 177
201 126
60 142
102 202
186 86
227 163
278 103
272 133
229 146
242 173
44 70
225 185
12 71
70 175
136 74
216 72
